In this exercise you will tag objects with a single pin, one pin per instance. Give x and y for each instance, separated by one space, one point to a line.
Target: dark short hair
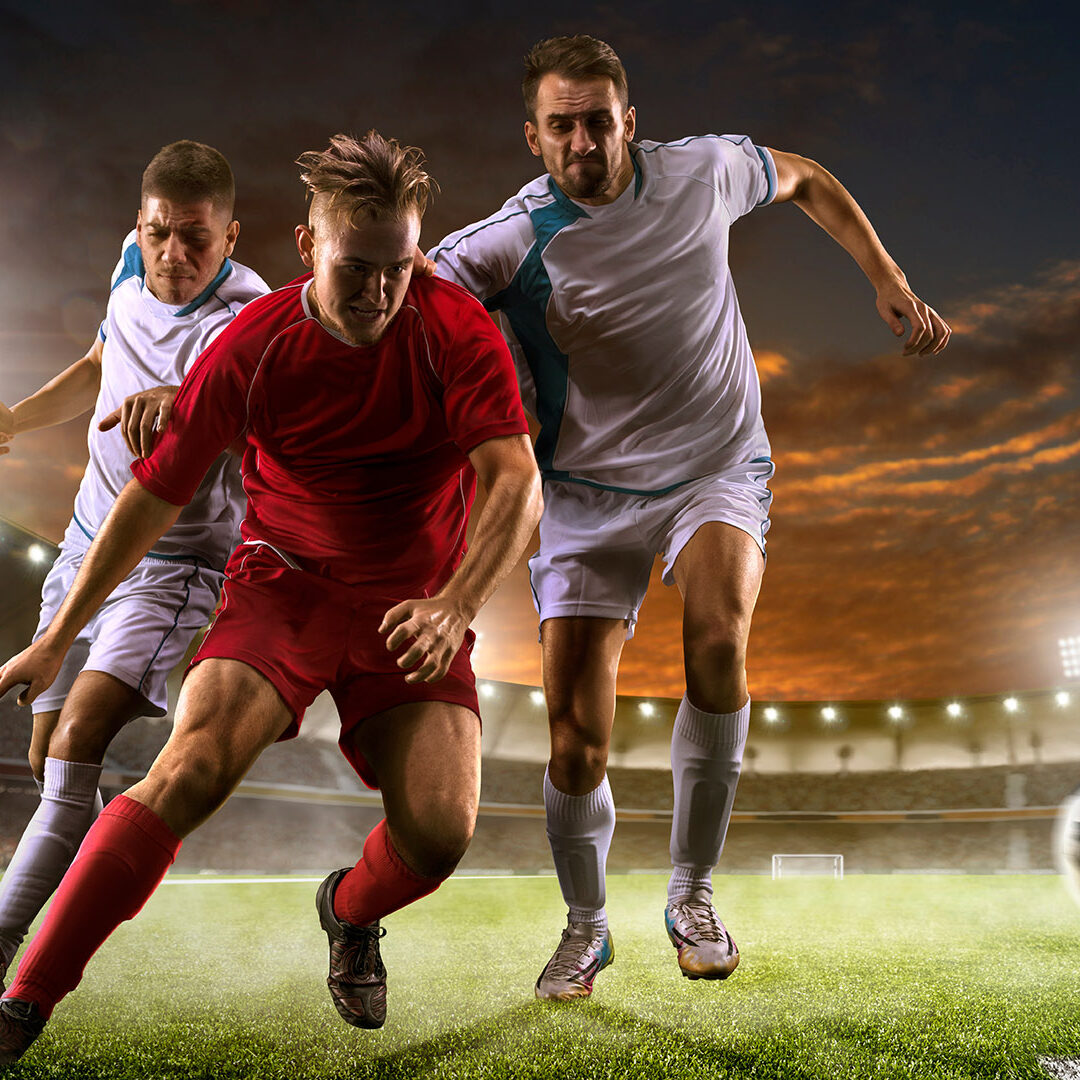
372 177
188 171
578 56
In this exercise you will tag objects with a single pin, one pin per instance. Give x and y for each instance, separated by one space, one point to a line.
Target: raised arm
135 522
506 467
70 394
822 197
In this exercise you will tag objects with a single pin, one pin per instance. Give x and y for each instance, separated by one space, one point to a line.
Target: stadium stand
974 792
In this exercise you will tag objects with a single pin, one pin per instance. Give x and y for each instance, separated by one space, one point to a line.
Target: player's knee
77 738
436 852
717 651
576 767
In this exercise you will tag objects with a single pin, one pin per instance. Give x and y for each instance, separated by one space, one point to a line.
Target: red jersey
354 456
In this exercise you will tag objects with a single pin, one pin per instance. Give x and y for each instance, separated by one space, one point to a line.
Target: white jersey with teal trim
631 348
145 344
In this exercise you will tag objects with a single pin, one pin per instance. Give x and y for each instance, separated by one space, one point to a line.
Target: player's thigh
425 756
96 708
580 667
718 572
227 714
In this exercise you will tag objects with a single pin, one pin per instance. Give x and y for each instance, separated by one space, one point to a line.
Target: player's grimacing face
183 246
361 271
581 133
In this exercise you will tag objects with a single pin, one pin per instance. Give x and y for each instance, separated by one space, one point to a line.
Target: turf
936 977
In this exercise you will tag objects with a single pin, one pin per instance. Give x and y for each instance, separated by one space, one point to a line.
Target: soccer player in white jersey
173 290
611 271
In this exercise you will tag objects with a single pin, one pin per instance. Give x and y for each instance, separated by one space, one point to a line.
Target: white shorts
140 633
597 547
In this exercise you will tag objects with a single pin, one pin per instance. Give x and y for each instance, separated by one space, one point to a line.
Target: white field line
310 880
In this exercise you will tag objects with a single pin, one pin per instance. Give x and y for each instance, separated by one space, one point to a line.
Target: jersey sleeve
480 393
209 412
483 257
746 174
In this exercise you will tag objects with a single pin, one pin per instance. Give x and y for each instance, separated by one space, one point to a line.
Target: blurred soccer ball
1067 843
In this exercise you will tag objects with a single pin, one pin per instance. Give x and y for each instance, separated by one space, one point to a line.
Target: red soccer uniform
358 483
355 459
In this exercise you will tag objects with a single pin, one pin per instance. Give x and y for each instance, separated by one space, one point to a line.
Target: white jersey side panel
147 344
632 350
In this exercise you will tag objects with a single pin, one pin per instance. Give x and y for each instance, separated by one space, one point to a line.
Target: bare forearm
70 394
828 203
135 522
513 508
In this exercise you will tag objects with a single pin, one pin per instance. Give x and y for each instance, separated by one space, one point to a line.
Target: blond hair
368 177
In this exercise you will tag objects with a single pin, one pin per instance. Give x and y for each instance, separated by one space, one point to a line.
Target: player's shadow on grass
580 1039
590 1039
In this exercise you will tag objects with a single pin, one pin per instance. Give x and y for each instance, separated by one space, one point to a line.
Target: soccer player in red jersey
367 402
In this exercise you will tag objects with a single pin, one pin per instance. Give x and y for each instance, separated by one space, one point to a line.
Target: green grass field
899 976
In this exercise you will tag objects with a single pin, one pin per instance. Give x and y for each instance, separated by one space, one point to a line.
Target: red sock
121 862
379 883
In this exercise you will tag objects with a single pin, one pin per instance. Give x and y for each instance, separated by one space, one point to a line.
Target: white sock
70 801
579 829
706 756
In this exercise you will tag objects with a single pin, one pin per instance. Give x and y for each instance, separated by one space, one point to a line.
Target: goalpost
806 865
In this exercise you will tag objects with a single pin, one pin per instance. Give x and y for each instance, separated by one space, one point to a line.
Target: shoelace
703 919
362 957
567 959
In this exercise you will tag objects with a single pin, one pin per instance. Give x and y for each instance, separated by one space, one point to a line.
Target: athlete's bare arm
818 193
135 522
69 394
142 418
506 467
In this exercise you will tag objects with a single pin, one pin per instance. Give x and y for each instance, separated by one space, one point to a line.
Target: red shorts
307 634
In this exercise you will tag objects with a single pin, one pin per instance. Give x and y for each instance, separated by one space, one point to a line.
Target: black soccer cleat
357 978
20 1025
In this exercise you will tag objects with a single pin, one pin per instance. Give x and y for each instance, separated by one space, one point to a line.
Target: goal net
804 865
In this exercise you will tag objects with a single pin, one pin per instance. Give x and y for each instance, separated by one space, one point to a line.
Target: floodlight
772 714
35 553
954 709
647 708
1070 656
828 714
486 689
536 697
1011 704
1062 698
895 712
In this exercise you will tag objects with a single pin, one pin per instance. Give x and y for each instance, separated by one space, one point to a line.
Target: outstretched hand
930 333
142 418
35 667
435 626
7 427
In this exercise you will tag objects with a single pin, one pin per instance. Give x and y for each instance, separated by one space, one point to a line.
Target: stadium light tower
1070 656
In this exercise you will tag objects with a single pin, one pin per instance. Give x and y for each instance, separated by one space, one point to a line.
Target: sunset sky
926 521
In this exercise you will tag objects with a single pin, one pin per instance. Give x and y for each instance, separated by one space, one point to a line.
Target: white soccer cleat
706 950
582 953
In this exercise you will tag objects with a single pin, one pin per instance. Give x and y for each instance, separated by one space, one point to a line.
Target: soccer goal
804 865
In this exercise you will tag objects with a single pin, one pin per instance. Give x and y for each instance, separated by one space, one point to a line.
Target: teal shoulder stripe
132 267
524 302
223 273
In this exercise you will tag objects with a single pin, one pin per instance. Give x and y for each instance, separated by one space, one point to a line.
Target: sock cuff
713 731
144 819
380 850
577 808
685 879
70 779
